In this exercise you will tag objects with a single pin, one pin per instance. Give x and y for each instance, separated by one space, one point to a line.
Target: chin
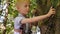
26 13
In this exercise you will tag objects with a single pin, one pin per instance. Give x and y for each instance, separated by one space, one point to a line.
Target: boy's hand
51 12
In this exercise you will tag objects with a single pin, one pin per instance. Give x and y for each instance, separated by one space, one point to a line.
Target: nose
28 8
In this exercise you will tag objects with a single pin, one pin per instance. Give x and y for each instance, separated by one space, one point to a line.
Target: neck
24 15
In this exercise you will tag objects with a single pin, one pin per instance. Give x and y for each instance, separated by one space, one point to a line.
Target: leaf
54 3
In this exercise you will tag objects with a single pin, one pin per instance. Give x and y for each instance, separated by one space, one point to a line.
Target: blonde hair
18 2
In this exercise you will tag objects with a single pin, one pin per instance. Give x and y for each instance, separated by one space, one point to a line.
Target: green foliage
12 13
12 9
33 5
54 3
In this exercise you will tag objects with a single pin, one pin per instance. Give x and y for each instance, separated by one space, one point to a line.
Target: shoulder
18 19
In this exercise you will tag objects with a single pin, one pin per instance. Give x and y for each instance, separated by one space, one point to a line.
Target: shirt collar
20 15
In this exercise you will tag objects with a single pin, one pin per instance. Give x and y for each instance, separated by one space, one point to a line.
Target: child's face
23 8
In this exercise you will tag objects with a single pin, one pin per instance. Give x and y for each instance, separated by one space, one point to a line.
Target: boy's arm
34 19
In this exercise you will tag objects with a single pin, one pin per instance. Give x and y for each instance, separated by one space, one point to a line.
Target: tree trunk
52 25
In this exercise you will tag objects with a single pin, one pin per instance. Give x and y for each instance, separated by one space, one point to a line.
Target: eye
25 6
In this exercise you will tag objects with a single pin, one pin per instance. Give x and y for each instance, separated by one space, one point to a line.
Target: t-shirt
18 25
17 22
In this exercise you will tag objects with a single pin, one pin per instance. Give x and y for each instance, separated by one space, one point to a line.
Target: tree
50 25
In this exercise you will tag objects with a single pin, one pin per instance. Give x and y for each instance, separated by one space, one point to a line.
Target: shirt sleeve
18 19
17 22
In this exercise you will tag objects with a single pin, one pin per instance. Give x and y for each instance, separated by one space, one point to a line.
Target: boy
23 9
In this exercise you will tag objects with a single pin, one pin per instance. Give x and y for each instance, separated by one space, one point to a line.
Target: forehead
25 3
20 2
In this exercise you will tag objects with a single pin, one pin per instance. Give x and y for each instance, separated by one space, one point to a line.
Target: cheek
25 10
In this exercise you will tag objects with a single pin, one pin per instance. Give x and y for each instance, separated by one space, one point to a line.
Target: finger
51 7
54 12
